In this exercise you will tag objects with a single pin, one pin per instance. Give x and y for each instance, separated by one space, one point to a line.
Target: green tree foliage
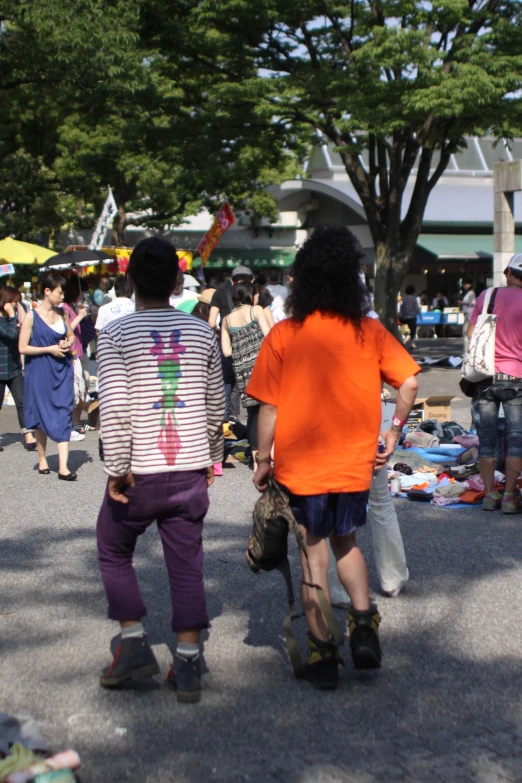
98 92
405 80
50 55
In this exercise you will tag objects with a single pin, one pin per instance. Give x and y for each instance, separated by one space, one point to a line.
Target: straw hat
206 296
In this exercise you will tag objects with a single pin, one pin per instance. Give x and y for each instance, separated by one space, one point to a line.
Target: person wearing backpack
505 388
330 358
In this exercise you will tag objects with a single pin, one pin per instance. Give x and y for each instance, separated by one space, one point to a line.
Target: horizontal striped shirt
162 397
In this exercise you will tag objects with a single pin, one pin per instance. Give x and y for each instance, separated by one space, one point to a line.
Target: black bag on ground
267 550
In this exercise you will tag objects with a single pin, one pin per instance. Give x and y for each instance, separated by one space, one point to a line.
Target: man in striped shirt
162 402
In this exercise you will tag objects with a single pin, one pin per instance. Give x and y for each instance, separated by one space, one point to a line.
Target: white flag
107 216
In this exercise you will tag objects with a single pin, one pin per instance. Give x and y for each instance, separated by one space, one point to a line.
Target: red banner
223 220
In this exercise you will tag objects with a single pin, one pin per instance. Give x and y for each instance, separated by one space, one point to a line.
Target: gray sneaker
185 678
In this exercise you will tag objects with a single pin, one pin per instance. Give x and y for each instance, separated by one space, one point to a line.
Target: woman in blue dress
45 340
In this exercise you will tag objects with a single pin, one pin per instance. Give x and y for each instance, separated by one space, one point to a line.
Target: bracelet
397 423
262 460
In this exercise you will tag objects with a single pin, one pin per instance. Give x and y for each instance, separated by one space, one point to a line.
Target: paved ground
446 705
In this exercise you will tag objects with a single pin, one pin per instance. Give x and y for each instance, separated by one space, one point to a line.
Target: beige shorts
79 382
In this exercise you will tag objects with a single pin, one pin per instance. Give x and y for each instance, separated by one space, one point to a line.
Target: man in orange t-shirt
319 377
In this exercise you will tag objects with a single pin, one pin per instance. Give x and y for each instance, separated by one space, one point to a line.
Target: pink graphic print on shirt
169 366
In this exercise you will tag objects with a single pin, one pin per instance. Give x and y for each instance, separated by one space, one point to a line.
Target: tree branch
384 189
334 21
445 155
310 46
411 225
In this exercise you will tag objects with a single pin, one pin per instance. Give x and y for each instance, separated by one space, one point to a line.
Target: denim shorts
340 513
509 393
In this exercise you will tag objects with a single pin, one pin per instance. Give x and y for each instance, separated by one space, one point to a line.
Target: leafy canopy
404 79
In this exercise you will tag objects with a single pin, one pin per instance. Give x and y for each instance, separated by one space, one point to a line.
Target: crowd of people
175 369
411 305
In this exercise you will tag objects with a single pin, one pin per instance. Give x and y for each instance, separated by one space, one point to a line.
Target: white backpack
479 362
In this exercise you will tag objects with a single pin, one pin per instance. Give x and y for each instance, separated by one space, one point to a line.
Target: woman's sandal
44 472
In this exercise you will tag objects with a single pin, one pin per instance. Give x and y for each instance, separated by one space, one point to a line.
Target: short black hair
51 281
243 293
241 279
122 286
274 277
467 281
153 267
327 276
265 297
72 290
410 289
517 273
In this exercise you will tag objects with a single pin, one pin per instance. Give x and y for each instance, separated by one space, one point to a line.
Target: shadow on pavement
451 663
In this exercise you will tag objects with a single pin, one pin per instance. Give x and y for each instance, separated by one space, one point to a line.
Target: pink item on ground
218 469
476 483
468 441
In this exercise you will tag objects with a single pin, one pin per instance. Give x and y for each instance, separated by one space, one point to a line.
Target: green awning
269 258
461 246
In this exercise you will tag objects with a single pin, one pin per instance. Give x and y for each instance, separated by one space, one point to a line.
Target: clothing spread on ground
161 390
508 332
115 309
325 379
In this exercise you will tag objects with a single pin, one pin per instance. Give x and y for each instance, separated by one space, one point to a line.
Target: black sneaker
322 666
184 677
133 660
364 638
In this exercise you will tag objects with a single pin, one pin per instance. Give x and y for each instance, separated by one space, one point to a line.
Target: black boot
133 660
364 638
322 666
185 678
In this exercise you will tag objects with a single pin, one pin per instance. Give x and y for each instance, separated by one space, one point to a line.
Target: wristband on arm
398 424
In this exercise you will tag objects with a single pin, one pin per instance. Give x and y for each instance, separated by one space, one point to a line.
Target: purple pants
178 501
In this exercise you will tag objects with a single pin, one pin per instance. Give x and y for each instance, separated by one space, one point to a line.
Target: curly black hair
327 271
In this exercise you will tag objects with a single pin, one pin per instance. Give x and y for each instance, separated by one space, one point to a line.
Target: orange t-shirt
326 381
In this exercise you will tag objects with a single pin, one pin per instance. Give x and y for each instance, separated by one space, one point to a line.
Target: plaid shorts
340 513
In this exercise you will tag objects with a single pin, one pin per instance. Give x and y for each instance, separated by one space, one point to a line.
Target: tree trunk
389 276
118 228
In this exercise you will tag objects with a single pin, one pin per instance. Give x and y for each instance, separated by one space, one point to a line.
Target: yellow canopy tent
15 252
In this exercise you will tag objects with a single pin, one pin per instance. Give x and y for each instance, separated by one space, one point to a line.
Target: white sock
135 631
187 649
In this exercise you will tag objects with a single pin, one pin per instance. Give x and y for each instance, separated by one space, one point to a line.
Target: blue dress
48 386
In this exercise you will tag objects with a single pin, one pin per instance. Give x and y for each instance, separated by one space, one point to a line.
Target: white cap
515 262
189 281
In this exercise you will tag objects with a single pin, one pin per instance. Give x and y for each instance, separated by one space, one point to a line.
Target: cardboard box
436 407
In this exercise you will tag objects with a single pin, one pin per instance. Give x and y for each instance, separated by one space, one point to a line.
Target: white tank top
58 327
